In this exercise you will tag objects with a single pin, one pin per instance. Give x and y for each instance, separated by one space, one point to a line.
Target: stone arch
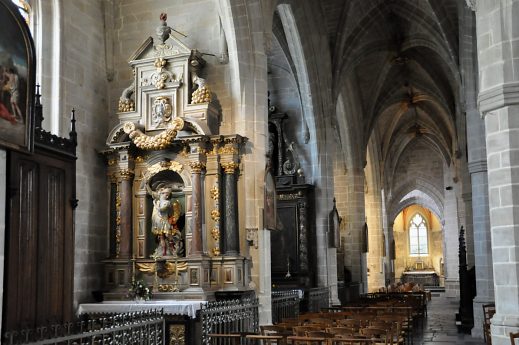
422 185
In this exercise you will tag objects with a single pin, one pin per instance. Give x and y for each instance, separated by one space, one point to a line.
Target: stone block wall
84 87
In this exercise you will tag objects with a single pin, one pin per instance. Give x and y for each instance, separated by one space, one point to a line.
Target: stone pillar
482 243
353 208
451 228
125 181
196 247
498 100
477 167
231 238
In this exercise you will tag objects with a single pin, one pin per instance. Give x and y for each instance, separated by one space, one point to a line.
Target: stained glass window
24 8
418 236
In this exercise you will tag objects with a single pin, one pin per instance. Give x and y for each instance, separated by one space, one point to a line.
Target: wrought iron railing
285 304
145 327
231 316
318 298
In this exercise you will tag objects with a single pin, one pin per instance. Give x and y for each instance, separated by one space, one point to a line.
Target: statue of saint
166 222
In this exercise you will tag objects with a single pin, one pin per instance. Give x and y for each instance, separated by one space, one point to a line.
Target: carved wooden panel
293 246
40 241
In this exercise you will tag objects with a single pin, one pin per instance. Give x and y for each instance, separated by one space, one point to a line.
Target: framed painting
17 80
270 209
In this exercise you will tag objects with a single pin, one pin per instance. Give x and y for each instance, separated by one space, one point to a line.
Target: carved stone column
197 202
197 162
125 218
231 238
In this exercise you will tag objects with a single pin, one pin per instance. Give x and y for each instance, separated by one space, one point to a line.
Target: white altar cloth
171 307
419 272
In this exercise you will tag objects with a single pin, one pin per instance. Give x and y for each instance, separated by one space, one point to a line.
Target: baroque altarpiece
173 181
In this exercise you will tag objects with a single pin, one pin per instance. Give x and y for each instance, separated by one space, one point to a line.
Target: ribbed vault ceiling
403 57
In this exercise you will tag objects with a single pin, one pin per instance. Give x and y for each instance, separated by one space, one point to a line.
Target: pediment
149 49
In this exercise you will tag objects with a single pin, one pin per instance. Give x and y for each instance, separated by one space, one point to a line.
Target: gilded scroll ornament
166 287
216 251
177 334
161 166
214 192
163 269
215 215
197 167
228 150
156 142
230 167
215 232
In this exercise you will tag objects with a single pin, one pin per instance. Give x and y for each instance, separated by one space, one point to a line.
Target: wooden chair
378 335
304 340
513 337
276 330
224 339
301 330
343 331
351 341
259 339
488 311
349 323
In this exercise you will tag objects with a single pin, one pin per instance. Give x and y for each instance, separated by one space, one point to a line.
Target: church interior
216 160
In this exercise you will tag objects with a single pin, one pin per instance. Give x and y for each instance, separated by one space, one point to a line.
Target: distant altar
173 181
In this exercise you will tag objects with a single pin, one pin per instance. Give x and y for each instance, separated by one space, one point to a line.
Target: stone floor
440 328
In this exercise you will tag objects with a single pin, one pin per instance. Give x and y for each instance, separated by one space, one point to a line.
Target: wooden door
39 241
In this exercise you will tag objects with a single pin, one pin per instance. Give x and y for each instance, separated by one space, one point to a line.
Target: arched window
418 245
24 8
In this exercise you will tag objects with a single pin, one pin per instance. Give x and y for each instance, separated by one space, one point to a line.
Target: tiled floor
440 327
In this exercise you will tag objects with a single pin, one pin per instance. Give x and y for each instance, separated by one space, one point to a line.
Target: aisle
440 326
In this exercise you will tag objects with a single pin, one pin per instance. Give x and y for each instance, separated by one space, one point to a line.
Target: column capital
126 174
197 167
230 167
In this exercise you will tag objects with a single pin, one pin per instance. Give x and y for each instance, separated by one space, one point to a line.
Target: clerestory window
418 245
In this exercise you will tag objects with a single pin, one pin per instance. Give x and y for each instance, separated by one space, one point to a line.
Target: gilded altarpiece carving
173 182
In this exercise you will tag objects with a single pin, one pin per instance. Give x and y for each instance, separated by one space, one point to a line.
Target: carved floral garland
156 142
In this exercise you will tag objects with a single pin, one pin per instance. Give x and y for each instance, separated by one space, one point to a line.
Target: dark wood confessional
40 196
40 231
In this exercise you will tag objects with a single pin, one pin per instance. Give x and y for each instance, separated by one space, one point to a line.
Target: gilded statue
166 222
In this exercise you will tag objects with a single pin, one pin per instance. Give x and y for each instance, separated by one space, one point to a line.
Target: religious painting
270 209
16 79
228 275
214 276
193 276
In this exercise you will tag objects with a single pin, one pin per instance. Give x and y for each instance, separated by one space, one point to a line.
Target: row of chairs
379 321
259 339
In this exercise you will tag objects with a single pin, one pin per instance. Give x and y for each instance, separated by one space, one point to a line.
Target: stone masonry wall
84 87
